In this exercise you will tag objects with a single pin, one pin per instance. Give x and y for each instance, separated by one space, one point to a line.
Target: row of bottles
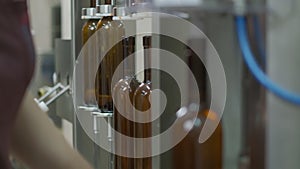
188 153
105 47
139 93
111 32
108 39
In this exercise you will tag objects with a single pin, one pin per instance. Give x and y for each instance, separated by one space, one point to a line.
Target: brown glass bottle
209 153
125 87
109 40
88 29
189 153
142 103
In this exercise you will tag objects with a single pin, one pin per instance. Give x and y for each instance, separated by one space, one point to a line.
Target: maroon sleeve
16 67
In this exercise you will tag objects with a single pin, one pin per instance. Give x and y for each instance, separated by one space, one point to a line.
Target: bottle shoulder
141 98
127 83
118 24
91 22
108 23
144 88
105 21
204 115
90 25
122 85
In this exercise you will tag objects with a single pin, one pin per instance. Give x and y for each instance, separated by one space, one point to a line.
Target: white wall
40 15
283 136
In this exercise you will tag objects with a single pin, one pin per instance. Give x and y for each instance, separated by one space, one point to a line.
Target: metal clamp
109 117
52 94
89 13
104 10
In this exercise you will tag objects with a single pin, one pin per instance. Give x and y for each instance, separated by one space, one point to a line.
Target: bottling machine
115 36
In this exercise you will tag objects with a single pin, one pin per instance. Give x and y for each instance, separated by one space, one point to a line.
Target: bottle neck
107 18
93 3
92 21
199 72
104 2
147 58
129 49
107 2
147 64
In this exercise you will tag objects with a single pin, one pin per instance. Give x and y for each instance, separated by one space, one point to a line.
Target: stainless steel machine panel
64 69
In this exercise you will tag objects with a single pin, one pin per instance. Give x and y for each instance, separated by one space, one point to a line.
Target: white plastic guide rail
52 94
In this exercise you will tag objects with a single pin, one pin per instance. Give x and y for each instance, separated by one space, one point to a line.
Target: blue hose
254 68
259 40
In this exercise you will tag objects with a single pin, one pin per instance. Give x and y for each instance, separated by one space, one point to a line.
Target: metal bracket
52 94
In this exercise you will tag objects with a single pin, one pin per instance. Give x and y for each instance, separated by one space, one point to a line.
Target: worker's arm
39 144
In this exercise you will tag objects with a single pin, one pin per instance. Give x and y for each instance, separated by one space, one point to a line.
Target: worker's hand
39 144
